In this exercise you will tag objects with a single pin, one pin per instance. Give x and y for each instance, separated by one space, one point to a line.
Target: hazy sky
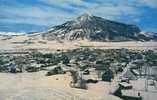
37 15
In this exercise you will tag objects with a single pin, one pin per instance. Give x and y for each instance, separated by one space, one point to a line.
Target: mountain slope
96 29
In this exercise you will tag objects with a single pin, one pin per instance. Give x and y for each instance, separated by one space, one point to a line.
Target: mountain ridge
95 28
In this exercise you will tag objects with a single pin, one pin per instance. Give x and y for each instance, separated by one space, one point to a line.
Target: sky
39 15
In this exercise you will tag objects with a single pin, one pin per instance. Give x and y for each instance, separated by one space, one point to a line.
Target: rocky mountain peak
95 28
85 17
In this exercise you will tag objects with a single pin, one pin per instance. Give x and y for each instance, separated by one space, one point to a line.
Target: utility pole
147 73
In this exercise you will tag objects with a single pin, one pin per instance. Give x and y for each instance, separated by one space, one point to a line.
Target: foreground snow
37 86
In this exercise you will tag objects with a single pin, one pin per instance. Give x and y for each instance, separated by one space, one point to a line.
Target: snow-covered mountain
96 29
148 35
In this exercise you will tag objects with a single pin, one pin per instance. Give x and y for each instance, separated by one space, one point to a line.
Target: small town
125 73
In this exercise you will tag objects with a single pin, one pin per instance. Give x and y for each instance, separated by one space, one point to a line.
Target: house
127 74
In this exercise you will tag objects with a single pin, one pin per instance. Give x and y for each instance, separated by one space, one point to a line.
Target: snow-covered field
35 41
37 86
11 33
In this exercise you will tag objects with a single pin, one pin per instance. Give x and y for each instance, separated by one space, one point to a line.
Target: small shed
125 85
